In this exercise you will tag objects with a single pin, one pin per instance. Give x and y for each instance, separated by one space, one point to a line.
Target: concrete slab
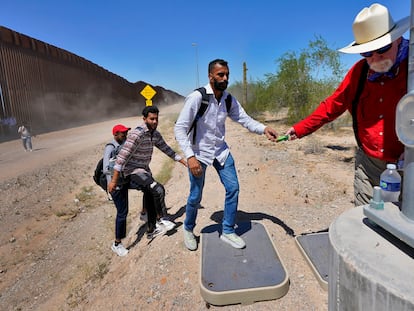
315 248
392 220
369 269
241 276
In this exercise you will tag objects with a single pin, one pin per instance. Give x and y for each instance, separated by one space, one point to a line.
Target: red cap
120 128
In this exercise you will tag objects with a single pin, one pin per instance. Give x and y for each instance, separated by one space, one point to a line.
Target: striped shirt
136 153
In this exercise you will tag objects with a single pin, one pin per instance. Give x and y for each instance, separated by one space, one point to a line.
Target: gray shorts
367 175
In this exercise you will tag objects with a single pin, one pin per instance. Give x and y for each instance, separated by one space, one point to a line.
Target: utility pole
196 61
244 84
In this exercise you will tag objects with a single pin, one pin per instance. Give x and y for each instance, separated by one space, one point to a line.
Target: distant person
205 145
133 164
382 77
26 137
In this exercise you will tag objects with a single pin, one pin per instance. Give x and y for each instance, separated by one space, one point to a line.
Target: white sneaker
189 240
233 239
119 249
168 225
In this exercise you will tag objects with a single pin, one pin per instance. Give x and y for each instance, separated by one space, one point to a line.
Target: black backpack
99 177
203 107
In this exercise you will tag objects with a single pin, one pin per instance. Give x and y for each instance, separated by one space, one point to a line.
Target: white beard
381 66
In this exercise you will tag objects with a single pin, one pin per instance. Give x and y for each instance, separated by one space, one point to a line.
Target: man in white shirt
203 144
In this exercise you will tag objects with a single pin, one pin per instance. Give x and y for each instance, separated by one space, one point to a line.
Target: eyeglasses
379 51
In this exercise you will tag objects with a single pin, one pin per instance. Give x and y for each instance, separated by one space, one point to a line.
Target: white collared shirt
210 139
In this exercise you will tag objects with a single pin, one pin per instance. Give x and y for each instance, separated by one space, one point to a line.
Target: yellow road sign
148 92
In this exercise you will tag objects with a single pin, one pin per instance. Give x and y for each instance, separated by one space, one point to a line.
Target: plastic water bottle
111 165
390 183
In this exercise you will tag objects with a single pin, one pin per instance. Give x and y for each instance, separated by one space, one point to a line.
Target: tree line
302 81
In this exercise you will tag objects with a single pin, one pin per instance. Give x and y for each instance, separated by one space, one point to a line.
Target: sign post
148 92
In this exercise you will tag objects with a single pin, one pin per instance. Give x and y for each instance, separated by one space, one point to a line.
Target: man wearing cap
119 132
381 77
133 161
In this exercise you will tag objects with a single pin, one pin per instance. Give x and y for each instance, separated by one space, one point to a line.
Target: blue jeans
27 143
153 201
228 177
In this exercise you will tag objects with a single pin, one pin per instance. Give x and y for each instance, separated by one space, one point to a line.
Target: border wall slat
37 79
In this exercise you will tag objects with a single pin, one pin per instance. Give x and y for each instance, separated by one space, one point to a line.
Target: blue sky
153 40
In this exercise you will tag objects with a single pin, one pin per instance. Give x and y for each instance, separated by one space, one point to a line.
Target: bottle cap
391 166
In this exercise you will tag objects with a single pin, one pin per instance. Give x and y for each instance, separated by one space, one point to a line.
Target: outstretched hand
270 133
292 133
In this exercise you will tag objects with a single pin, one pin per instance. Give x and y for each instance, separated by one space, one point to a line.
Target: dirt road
57 226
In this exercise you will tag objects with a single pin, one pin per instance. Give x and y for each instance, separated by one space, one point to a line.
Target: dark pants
154 195
153 201
120 198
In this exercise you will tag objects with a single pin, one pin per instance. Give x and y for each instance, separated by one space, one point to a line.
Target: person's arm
113 182
184 121
161 144
108 151
238 114
331 107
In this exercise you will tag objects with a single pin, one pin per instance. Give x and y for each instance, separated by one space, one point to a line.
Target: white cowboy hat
374 28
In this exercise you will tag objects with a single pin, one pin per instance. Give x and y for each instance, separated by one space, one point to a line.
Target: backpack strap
115 149
203 107
361 83
205 99
228 102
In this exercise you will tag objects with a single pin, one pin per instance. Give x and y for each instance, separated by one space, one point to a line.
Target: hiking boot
143 217
168 225
189 240
119 249
159 230
233 239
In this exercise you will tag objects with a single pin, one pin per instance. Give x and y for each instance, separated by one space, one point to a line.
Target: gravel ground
58 226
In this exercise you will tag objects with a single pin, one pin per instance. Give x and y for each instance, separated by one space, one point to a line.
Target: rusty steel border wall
50 88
